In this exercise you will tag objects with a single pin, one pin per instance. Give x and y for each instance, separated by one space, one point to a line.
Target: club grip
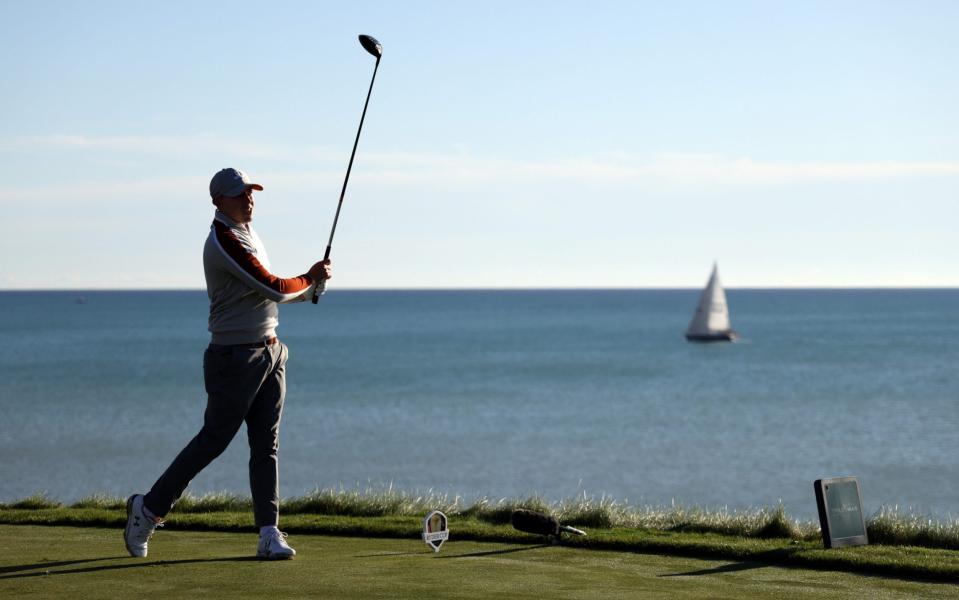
318 291
320 288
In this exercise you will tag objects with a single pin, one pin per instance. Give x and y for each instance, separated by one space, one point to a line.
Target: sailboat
711 320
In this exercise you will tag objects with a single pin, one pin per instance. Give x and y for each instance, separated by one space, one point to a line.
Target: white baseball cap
231 183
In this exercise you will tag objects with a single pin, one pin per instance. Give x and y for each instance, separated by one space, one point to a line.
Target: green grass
88 563
899 561
888 526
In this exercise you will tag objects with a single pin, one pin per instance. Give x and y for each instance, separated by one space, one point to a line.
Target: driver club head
370 44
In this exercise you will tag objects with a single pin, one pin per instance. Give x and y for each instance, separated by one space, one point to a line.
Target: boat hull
720 336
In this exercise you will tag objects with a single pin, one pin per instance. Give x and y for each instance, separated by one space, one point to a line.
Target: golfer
243 368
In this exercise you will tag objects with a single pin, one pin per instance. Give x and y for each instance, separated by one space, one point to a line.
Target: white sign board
435 530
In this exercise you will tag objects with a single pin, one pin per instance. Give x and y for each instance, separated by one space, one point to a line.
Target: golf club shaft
321 286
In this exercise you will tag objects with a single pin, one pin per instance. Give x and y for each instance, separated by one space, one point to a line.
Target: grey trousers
242 384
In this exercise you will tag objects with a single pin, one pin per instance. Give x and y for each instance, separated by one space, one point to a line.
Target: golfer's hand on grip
321 271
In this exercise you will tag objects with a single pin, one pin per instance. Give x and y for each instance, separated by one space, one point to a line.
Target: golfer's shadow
46 566
771 558
730 568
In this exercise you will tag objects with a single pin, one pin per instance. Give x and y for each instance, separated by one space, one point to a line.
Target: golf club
376 49
540 524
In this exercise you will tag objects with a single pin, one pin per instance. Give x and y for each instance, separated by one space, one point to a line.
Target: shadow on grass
777 557
495 552
50 563
781 559
392 554
730 568
130 565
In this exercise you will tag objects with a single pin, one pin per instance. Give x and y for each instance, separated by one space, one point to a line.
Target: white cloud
103 190
664 169
746 171
422 170
164 145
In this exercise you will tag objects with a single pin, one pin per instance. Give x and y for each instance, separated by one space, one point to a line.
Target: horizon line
507 289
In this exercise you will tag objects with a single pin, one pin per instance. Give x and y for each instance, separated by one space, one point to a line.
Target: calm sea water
505 393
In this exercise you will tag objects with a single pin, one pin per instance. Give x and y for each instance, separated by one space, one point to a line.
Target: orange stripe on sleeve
254 268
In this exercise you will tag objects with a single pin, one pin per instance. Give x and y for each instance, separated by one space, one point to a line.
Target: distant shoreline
505 289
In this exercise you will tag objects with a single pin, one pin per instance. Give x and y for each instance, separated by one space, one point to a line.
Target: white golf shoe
139 527
273 546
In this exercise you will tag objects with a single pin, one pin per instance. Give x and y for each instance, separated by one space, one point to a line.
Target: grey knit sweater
243 292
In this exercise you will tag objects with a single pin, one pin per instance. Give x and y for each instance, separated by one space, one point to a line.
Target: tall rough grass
895 527
890 526
371 502
188 503
37 501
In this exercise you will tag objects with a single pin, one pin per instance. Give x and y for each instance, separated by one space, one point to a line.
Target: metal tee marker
839 501
376 49
435 530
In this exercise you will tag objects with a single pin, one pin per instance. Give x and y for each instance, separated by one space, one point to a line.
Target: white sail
712 314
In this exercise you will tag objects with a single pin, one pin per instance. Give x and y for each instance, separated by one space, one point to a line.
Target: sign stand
435 530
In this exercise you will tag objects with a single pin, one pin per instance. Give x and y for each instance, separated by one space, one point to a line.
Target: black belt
262 344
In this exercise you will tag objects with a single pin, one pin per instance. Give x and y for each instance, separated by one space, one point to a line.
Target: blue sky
535 144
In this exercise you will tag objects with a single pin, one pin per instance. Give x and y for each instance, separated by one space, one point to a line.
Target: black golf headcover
534 522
